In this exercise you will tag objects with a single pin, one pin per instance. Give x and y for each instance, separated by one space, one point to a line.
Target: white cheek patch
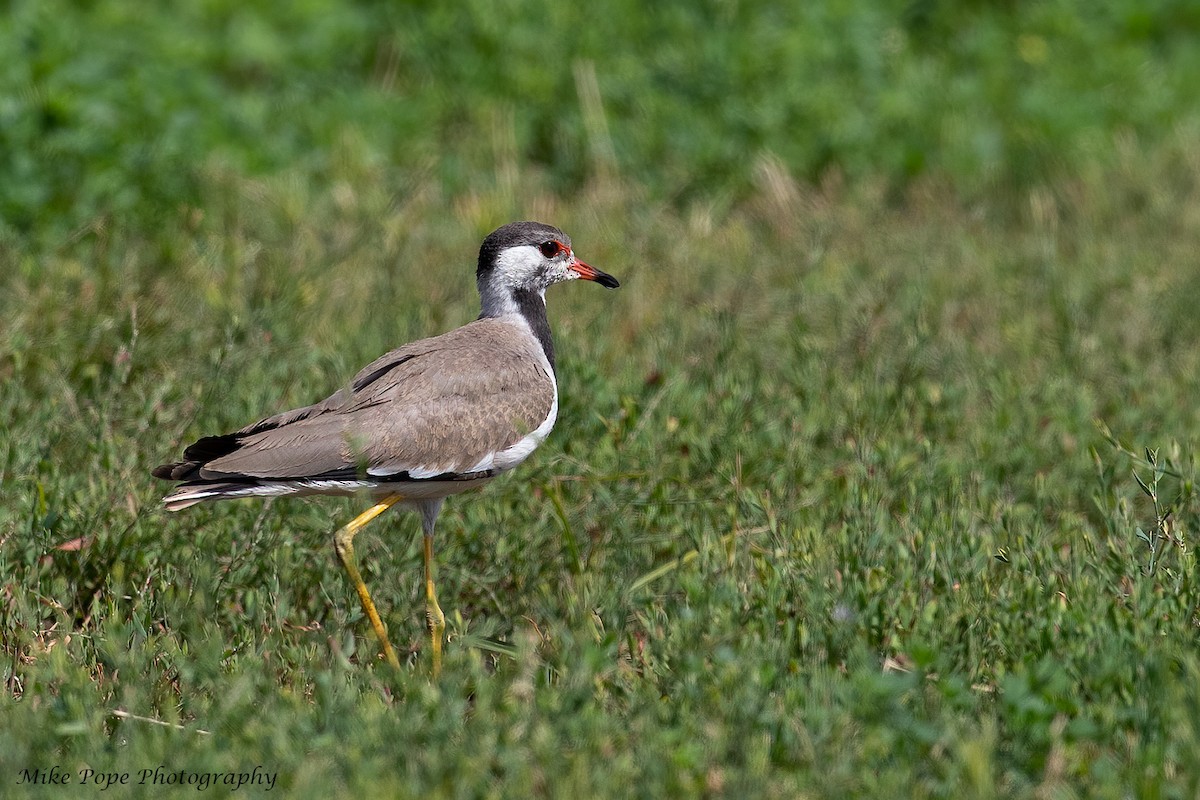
515 267
518 266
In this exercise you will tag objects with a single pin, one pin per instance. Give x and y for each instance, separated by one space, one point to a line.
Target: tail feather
189 494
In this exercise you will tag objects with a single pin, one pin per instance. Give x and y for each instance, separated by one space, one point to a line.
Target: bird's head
528 257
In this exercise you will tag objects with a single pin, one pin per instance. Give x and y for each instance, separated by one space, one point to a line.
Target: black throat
533 309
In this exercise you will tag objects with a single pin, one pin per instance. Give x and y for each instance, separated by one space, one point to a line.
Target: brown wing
433 407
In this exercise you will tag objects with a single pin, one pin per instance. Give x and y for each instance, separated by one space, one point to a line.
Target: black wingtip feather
178 471
208 448
196 455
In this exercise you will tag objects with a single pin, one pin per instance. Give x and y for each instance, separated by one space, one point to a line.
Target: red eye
550 248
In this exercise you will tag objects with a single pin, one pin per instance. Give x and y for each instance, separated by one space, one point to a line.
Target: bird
427 420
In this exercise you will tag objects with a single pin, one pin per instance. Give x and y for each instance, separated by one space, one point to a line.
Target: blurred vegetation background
110 108
876 478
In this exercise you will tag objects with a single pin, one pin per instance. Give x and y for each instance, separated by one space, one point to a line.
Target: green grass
827 511
850 493
112 110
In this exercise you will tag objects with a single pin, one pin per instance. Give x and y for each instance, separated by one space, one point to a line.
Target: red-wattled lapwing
425 421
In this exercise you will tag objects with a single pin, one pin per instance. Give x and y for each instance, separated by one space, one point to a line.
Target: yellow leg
343 542
433 612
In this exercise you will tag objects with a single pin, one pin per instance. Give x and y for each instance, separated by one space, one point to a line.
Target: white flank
417 473
515 453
